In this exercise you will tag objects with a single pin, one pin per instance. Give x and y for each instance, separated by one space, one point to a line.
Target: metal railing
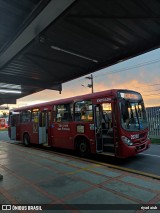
153 116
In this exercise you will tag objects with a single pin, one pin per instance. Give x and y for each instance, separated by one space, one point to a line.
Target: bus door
104 128
98 130
43 127
13 118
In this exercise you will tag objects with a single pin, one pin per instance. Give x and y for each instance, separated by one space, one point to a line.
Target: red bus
3 123
111 122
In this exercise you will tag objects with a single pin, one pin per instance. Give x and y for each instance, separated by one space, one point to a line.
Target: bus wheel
83 147
26 140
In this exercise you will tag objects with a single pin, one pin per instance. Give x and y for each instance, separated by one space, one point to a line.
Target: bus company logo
103 100
6 207
21 207
136 136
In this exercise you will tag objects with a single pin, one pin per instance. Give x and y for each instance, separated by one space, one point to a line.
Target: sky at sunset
141 74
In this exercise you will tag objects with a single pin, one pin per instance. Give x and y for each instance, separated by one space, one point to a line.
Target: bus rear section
28 125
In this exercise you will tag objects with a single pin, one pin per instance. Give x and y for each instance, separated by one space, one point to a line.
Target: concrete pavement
36 177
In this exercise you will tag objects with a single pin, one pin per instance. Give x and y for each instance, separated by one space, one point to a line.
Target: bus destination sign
134 96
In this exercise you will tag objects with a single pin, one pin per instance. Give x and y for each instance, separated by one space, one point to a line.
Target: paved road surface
148 161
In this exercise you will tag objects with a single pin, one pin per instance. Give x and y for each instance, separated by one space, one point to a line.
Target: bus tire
83 147
26 139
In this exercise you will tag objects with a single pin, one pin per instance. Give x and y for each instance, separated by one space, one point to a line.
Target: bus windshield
133 114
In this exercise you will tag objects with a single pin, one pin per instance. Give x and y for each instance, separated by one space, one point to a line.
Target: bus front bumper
141 147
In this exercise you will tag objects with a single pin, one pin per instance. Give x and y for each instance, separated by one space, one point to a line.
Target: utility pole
91 84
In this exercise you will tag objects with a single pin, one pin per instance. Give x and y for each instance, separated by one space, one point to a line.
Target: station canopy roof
44 43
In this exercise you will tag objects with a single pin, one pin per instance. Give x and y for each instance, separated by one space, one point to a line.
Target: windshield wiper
137 116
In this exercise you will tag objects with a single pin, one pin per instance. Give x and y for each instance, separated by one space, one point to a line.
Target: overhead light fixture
10 91
72 53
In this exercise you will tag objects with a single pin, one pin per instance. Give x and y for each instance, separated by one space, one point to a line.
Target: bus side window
13 120
107 115
49 118
83 111
35 115
63 112
54 114
26 116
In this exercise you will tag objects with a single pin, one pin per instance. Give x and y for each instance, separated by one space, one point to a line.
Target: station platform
34 179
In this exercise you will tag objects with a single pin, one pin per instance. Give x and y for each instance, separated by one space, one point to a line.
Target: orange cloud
74 88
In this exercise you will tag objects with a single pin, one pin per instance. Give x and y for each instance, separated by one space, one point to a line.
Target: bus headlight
126 140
